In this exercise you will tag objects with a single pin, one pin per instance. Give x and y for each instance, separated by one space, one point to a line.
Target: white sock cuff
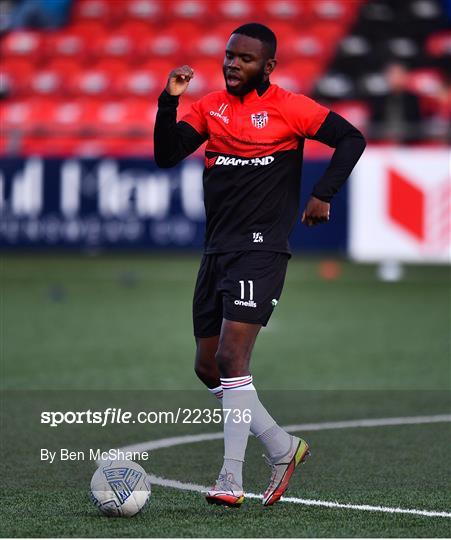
234 383
217 391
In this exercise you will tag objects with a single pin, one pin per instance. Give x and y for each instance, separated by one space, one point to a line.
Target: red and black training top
253 160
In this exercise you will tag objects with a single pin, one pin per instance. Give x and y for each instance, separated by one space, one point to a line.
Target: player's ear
270 65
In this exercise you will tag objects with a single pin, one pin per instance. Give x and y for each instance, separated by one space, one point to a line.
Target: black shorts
242 286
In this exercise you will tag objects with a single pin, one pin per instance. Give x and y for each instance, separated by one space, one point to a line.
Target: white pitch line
345 424
169 442
156 480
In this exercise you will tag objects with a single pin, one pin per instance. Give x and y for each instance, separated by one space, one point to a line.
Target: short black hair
262 33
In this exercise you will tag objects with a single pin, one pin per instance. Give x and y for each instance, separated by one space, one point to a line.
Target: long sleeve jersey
253 160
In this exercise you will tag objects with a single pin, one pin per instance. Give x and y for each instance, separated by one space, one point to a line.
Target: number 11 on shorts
251 289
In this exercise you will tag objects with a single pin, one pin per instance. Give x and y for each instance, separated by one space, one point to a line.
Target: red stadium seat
105 11
189 9
335 10
15 75
88 30
289 10
132 117
71 117
303 45
29 116
138 82
23 44
329 32
144 10
159 70
439 44
66 67
66 44
99 78
208 44
162 44
47 82
91 82
237 10
426 82
136 29
117 44
15 115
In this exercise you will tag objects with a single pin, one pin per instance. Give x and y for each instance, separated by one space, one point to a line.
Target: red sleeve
195 117
304 115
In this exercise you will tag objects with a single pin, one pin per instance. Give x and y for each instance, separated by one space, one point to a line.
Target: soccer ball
120 488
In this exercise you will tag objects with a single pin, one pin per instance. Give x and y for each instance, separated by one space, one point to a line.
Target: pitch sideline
320 426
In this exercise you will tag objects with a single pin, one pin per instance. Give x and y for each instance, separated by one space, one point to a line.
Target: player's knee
202 372
207 374
231 362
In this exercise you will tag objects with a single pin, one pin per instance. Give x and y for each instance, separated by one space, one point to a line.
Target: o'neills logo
247 303
236 162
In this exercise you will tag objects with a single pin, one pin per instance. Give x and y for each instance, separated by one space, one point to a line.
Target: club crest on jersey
260 119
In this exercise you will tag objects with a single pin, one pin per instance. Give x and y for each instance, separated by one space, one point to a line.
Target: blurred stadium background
79 81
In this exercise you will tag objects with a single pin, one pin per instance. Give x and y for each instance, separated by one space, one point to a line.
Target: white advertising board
400 203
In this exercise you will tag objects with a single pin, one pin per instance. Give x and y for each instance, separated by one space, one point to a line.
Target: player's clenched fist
316 211
178 80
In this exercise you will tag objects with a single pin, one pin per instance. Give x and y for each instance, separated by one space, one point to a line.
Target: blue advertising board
111 203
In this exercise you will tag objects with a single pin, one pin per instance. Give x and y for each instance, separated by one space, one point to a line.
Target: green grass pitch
92 332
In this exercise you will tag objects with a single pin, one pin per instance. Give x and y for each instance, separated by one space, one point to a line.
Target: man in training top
255 134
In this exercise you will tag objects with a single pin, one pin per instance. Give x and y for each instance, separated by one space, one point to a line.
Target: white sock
238 403
277 442
217 392
275 439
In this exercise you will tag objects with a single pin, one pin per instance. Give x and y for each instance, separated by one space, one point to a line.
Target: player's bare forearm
316 212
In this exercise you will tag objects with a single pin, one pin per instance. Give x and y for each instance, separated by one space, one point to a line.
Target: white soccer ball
120 488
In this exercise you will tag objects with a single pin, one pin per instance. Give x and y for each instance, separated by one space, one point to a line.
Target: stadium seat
15 115
126 118
137 82
208 44
92 82
47 82
303 45
37 115
105 11
237 10
66 44
159 70
22 44
15 76
144 10
118 44
426 82
289 10
439 44
71 117
100 78
334 10
189 9
162 44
